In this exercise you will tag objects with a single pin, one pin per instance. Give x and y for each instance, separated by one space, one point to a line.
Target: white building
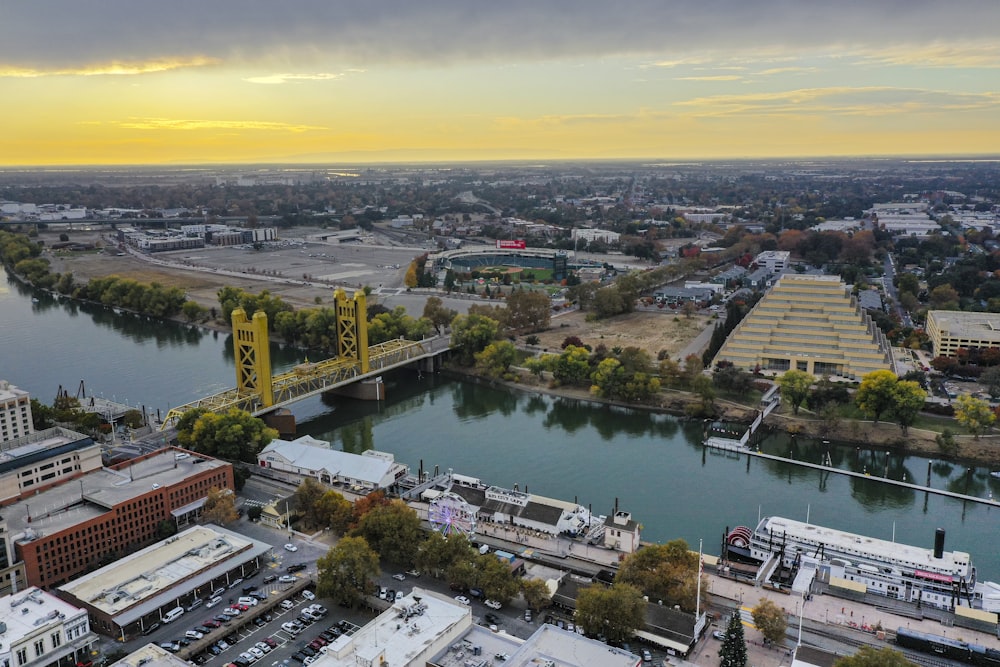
43 630
774 261
308 457
15 412
621 533
603 235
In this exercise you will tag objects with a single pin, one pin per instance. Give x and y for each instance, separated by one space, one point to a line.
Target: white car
263 647
287 604
493 604
399 577
291 547
287 579
309 595
256 652
462 599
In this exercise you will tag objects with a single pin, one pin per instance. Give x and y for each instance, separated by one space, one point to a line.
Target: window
56 639
22 656
39 647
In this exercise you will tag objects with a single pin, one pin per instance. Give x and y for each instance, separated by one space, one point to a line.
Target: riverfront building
952 330
34 462
40 630
293 461
15 412
125 598
811 324
75 527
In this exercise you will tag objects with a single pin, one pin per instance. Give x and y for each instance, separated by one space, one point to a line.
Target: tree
193 311
536 594
733 652
410 279
907 401
438 315
795 386
990 379
165 529
572 366
219 507
235 435
392 530
689 308
770 620
347 571
974 414
334 511
437 554
494 578
528 310
869 656
665 572
496 358
946 442
615 612
472 333
875 395
306 497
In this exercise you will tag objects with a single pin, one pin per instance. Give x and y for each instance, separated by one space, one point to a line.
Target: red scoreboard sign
510 245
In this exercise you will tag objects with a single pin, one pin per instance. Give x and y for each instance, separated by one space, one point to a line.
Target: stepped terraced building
812 324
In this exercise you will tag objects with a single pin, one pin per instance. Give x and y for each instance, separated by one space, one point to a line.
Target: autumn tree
667 572
974 414
219 507
795 386
306 496
495 359
536 594
875 395
869 656
367 503
333 511
770 620
528 310
471 334
437 553
733 652
437 314
347 572
616 611
908 399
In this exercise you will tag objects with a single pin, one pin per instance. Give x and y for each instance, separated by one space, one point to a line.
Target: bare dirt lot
650 331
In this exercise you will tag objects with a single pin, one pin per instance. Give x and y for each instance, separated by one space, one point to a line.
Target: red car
270 642
241 607
212 624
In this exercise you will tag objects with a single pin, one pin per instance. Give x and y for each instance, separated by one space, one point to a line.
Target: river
651 464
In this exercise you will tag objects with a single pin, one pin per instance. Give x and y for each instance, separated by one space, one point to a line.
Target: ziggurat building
811 324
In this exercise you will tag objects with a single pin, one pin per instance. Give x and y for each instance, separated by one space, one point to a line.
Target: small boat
34 299
995 473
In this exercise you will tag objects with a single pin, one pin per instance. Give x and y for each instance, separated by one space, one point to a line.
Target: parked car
319 609
287 579
151 629
309 595
259 622
255 652
399 577
491 617
270 642
296 567
263 646
222 644
193 634
222 618
212 623
299 656
291 547
646 655
235 584
461 599
269 578
290 628
527 615
493 604
718 634
413 573
214 601
287 604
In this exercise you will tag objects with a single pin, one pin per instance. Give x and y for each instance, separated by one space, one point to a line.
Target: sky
98 82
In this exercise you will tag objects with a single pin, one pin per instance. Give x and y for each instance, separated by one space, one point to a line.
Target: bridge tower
253 356
352 327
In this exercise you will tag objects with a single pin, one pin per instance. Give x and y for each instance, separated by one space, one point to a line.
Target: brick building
75 527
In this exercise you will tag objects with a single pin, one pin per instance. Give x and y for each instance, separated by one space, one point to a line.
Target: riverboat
793 553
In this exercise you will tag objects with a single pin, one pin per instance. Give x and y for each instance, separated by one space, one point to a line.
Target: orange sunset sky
137 82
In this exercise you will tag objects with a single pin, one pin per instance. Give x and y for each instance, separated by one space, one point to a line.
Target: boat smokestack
939 543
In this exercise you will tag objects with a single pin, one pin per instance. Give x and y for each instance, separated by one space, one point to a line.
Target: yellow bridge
258 392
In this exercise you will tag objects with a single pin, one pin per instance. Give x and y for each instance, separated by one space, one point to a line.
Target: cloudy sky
189 81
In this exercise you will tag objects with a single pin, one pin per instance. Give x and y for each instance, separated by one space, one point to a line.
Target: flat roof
402 633
568 649
146 580
151 655
884 552
65 505
25 612
955 323
312 454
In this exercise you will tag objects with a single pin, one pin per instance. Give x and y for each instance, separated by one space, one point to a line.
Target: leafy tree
689 308
770 620
334 511
306 497
990 379
494 578
392 530
472 333
875 395
219 507
165 529
974 414
946 442
907 401
615 612
572 367
193 311
665 572
347 572
254 512
410 279
795 386
733 652
235 435
869 656
536 594
437 554
528 310
366 504
438 315
496 358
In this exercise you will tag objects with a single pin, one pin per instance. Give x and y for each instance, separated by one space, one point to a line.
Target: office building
953 330
15 412
812 324
40 630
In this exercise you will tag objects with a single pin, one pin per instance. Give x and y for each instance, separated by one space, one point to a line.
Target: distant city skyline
186 82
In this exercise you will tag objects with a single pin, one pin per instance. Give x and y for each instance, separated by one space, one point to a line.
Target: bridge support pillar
366 390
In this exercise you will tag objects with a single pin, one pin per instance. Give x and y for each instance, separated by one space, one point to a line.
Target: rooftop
145 580
312 454
151 655
28 448
882 551
568 649
402 633
93 494
25 612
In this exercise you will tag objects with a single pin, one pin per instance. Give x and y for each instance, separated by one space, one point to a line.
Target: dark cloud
69 34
